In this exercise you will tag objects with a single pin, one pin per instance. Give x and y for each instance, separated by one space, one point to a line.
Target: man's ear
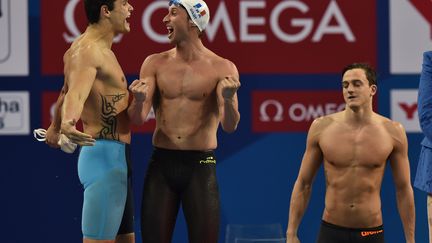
104 11
374 89
192 24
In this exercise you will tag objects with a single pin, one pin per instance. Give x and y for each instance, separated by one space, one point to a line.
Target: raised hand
139 89
229 86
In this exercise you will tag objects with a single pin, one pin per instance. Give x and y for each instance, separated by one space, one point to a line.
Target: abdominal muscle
353 201
190 125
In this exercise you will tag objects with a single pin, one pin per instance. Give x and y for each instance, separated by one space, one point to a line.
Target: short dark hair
368 69
92 9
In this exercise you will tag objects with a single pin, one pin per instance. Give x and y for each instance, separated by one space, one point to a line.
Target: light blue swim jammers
103 171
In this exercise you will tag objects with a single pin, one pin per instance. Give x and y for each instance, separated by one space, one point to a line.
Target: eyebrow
173 7
351 81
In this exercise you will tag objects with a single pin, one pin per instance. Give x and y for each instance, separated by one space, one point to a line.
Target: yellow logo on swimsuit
208 160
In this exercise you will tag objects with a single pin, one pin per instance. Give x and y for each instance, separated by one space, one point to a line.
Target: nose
165 19
131 8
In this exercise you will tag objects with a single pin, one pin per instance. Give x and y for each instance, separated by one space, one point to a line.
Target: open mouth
170 30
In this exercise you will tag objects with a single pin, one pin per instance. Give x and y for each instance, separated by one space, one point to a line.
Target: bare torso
185 101
104 115
354 163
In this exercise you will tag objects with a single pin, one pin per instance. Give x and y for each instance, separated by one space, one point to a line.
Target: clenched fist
139 89
229 86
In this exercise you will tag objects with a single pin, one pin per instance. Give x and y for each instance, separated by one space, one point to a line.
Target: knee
125 238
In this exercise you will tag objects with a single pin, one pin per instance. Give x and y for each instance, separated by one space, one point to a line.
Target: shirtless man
192 90
354 167
95 91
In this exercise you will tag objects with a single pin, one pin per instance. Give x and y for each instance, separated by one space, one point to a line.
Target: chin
123 31
172 41
353 106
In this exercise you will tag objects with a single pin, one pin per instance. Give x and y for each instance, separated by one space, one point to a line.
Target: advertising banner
410 34
404 108
14 42
281 36
14 113
292 111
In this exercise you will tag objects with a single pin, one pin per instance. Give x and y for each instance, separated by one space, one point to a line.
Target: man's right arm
53 131
80 76
425 96
312 160
143 90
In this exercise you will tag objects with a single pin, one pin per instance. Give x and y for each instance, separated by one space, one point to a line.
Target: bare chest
369 146
110 87
192 82
111 74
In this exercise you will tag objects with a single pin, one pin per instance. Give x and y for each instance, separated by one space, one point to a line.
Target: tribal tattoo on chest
109 116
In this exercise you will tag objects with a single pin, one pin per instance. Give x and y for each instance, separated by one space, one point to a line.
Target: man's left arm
401 174
227 99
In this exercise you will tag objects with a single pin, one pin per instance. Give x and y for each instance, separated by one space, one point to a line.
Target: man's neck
190 49
359 115
101 33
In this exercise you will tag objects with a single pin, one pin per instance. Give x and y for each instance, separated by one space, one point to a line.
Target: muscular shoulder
224 66
320 124
152 62
157 59
84 53
394 128
154 58
323 122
